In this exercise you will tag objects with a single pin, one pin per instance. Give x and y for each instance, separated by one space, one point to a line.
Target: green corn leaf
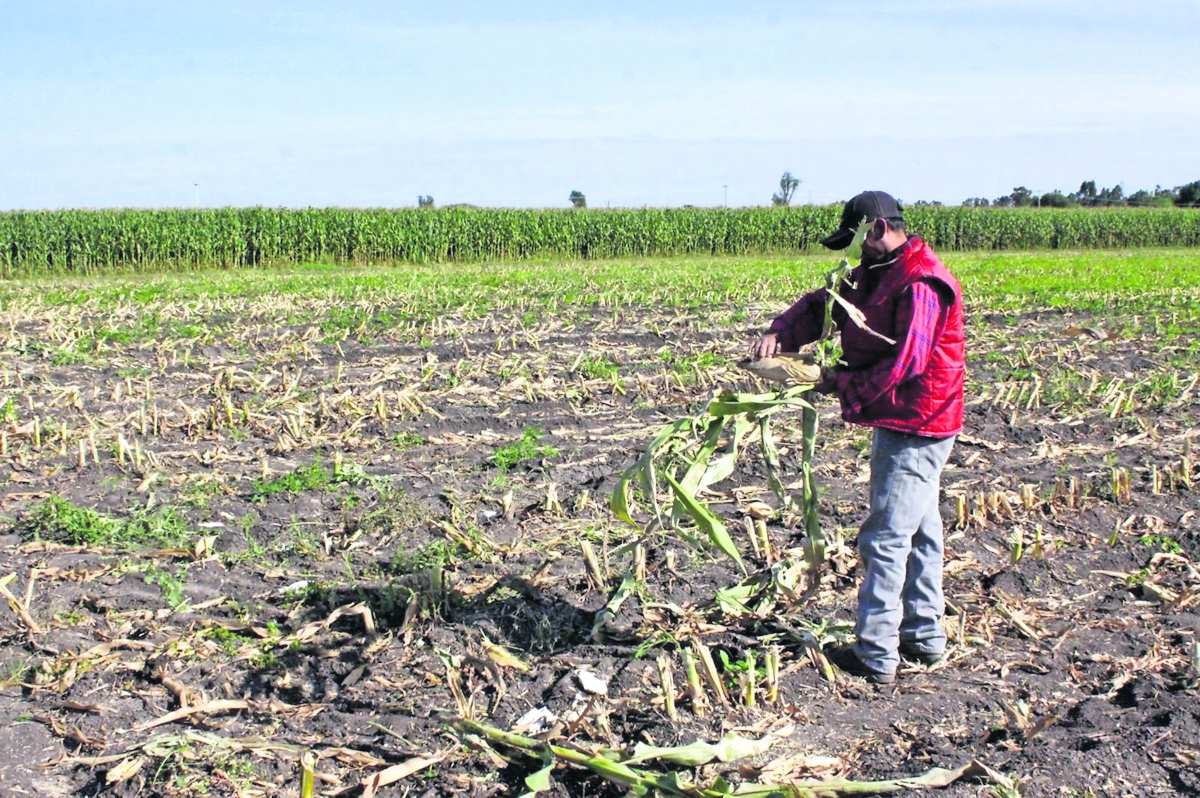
706 521
643 469
699 465
731 604
722 466
539 781
771 459
854 250
619 502
649 483
708 447
731 404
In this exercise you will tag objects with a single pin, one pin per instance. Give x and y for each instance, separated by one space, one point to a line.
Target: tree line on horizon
1088 196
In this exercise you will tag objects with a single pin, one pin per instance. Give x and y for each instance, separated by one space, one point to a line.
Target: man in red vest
904 377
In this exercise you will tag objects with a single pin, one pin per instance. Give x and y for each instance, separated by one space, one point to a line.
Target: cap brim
838 240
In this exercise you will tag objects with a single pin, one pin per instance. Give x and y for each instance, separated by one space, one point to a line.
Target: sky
175 103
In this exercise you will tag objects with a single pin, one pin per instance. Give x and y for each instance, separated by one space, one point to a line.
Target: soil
341 618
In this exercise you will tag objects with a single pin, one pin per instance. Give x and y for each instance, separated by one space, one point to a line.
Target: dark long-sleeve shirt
921 315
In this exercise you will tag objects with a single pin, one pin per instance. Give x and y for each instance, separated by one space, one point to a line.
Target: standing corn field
89 242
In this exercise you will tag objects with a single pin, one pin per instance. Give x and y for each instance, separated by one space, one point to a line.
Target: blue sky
131 104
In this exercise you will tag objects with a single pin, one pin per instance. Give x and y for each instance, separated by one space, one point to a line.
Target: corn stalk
617 768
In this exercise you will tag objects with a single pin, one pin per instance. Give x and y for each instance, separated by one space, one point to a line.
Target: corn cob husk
786 368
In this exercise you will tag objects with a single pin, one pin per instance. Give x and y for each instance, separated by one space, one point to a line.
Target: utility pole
196 202
726 195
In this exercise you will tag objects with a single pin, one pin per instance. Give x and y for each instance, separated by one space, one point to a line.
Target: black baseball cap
866 206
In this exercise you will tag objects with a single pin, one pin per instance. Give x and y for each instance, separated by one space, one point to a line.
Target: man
911 393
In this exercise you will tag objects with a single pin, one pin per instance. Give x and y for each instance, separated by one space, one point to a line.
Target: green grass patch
58 520
597 367
170 584
404 441
313 476
394 516
306 477
523 450
435 554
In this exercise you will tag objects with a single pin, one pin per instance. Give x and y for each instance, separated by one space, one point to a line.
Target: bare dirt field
241 530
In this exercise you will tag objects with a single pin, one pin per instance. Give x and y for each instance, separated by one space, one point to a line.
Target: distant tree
1089 196
1021 197
1111 196
424 202
787 187
1003 202
1165 195
1056 199
926 204
1188 195
976 202
1149 199
578 200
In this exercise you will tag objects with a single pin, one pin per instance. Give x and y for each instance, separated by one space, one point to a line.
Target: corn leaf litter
701 753
759 594
605 616
675 785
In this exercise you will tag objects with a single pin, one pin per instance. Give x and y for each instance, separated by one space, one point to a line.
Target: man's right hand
766 346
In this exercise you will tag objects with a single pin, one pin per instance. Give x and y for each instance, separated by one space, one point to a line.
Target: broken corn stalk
666 678
679 785
774 654
695 686
685 455
711 674
308 765
610 610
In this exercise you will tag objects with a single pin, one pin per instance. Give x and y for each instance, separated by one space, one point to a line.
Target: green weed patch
58 520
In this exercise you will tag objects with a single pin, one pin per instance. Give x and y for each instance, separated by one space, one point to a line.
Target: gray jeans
900 546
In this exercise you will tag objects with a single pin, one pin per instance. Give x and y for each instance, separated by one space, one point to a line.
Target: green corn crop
94 241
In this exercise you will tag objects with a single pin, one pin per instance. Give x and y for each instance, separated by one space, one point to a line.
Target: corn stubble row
90 241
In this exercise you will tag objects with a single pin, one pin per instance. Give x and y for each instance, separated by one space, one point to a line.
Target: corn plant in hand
685 455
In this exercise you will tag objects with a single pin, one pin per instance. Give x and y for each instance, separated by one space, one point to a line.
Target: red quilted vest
930 404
